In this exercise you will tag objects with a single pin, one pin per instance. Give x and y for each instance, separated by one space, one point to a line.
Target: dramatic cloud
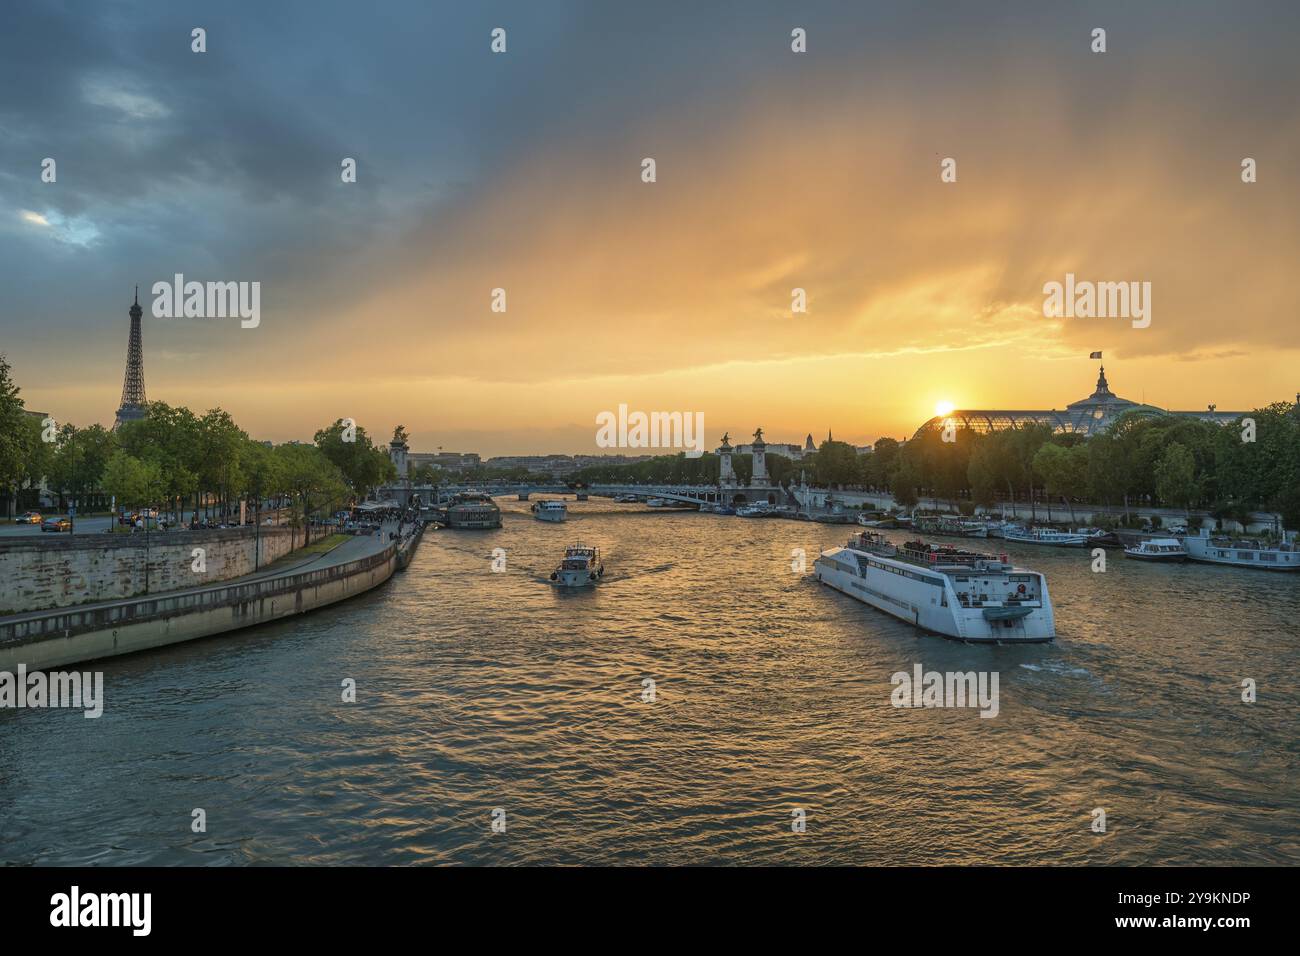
522 171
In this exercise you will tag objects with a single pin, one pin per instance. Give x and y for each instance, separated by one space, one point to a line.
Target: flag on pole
1095 355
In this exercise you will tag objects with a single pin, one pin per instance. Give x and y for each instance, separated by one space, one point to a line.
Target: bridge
685 494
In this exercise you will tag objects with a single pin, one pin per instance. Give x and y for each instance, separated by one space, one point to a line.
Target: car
56 524
28 517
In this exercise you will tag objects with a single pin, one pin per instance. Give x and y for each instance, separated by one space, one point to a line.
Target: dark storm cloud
225 165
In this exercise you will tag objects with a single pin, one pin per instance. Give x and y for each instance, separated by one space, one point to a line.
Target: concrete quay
49 639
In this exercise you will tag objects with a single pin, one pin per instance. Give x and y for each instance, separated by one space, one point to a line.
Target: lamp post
257 531
72 512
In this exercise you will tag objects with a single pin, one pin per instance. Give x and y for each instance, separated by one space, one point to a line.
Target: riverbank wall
1084 514
55 638
47 571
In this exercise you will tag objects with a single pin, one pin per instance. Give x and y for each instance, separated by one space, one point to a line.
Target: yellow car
28 517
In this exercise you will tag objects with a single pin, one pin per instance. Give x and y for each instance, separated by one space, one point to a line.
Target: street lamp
72 512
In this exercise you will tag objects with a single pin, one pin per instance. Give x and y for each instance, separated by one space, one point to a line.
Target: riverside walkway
292 585
358 546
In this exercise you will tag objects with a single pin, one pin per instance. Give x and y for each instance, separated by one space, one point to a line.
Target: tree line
1139 460
1171 461
176 459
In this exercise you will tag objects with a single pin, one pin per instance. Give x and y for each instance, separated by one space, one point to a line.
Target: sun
944 409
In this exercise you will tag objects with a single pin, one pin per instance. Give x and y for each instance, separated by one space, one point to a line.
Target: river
485 696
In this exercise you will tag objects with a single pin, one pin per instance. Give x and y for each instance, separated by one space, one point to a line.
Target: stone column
726 474
759 479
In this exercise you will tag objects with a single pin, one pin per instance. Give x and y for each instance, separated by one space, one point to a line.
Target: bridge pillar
759 478
726 473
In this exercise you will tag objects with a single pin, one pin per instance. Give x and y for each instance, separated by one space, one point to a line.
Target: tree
263 475
1175 476
427 474
128 479
906 478
779 468
836 464
222 442
185 449
311 479
878 467
39 456
1022 445
1063 470
362 465
75 462
983 473
14 434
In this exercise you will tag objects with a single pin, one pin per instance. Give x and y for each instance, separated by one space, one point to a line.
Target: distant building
791 451
1087 416
603 461
559 466
553 465
446 460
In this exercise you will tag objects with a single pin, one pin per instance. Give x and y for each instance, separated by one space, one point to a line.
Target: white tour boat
1244 553
550 510
1158 549
1061 539
759 509
580 568
960 594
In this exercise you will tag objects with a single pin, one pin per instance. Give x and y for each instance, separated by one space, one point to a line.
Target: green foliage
310 478
836 463
363 466
1173 461
662 469
15 432
133 482
1175 474
74 465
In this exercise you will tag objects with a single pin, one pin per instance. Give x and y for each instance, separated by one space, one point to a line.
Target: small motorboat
581 567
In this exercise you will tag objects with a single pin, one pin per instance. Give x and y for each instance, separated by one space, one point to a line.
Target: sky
522 171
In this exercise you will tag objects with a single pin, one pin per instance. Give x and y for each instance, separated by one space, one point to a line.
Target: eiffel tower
134 404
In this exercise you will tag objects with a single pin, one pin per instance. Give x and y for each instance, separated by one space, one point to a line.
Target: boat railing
938 558
1246 544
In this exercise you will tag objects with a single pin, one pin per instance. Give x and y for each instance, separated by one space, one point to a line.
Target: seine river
479 692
